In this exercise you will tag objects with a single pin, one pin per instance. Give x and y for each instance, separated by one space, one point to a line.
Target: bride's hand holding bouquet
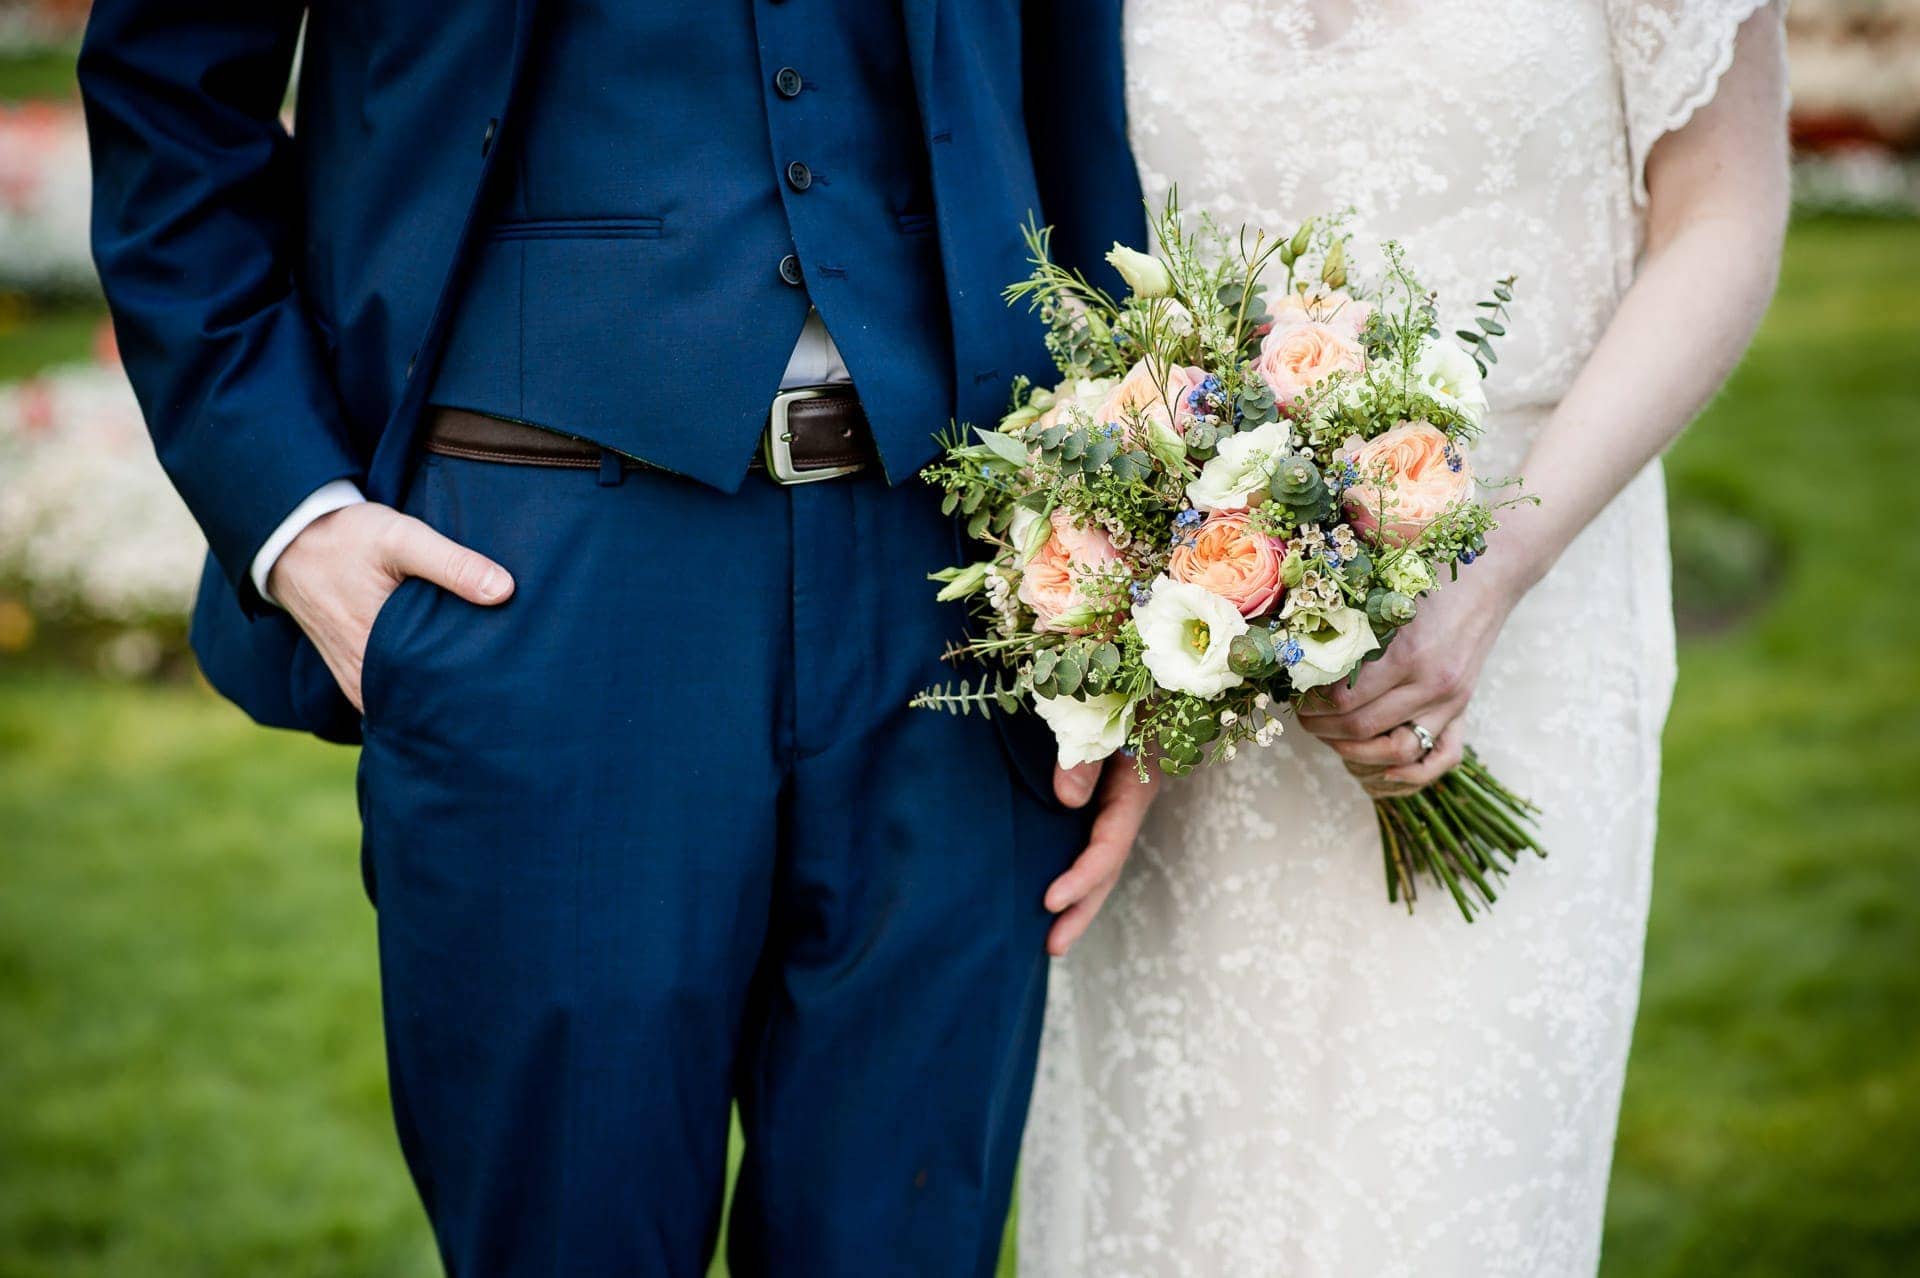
1426 677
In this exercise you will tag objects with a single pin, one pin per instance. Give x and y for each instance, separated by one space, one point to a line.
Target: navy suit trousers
661 833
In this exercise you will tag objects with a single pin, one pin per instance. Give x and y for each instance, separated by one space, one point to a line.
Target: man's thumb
422 552
1074 786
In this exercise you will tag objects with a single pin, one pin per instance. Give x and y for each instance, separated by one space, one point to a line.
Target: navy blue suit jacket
281 299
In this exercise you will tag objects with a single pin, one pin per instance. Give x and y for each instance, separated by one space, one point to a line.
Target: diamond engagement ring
1424 737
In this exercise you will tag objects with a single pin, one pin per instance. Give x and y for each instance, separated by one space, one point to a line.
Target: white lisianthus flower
1086 731
1407 573
1239 473
1026 534
1144 273
1187 631
1331 645
1164 442
1085 393
1449 375
1018 420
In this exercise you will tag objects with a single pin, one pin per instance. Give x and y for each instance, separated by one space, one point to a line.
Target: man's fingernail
493 585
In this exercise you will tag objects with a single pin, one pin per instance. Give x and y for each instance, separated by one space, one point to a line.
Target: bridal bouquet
1252 471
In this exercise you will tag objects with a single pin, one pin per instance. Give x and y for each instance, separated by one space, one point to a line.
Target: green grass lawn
189 1042
38 73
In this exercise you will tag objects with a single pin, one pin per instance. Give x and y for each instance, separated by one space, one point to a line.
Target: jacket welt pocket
579 228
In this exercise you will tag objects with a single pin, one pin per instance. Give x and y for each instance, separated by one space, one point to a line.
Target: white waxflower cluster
1001 598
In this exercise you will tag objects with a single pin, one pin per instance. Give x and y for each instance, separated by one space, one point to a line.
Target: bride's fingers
1393 748
1073 924
1382 714
1376 679
1447 752
1080 893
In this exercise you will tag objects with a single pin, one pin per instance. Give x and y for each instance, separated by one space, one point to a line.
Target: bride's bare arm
1717 208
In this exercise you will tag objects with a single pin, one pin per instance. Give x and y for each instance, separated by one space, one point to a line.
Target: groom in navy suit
551 396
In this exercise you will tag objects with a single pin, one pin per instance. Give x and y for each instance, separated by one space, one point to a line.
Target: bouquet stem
1461 833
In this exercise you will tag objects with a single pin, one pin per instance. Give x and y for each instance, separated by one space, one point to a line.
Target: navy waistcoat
284 300
688 175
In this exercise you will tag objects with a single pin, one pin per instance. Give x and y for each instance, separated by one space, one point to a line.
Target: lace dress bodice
1252 1065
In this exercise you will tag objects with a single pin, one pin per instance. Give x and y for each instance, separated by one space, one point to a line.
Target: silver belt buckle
776 447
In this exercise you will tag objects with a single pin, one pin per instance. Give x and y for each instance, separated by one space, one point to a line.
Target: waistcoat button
790 270
799 176
786 81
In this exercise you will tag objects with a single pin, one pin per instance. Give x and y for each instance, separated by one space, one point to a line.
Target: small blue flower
1467 556
1110 429
1291 653
1334 561
1187 518
1454 461
1201 396
1141 592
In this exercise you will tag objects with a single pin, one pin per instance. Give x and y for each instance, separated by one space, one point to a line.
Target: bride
1253 1065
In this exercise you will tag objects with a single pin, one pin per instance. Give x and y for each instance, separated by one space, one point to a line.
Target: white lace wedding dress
1253 1065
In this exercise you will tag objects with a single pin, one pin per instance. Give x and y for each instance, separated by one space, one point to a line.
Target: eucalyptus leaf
1005 447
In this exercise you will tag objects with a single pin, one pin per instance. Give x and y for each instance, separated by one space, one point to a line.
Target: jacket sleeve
1076 110
196 225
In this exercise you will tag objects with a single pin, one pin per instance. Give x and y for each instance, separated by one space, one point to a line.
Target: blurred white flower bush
44 200
90 530
27 26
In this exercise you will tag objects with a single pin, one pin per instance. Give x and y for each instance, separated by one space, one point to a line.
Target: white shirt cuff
323 500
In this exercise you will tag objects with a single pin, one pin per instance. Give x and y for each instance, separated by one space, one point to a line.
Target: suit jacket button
799 176
790 270
786 82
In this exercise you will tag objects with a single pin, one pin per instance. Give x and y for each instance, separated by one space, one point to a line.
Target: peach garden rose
1427 476
1296 358
1338 311
1137 392
1053 583
1230 559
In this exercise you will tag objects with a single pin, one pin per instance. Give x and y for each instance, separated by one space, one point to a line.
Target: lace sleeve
1671 55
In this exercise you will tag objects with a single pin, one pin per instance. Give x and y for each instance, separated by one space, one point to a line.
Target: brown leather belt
813 433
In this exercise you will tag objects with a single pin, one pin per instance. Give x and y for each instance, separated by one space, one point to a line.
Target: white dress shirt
815 362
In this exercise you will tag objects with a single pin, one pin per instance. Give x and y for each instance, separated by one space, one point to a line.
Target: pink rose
1137 394
1228 558
1338 311
1424 476
1054 582
1296 358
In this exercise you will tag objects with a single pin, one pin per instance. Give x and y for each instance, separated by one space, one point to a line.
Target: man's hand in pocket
334 577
